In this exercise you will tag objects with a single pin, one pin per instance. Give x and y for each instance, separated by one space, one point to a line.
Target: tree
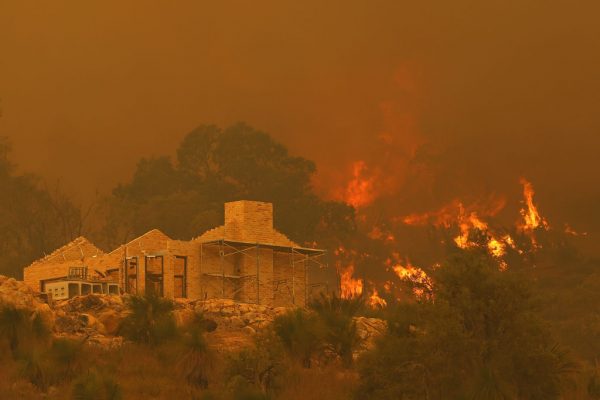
213 165
33 220
480 337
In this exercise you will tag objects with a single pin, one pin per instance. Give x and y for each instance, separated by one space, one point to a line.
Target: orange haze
413 102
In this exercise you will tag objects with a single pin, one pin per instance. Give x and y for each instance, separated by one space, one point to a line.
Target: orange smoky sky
481 92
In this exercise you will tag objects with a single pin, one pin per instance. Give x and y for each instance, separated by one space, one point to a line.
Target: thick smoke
456 100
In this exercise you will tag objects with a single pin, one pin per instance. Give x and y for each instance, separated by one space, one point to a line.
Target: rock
229 310
104 342
68 324
236 322
91 323
261 309
185 317
111 320
19 295
46 314
115 301
210 325
199 308
88 302
248 330
279 311
369 329
250 317
245 308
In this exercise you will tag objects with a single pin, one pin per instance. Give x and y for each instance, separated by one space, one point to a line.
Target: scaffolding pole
257 273
222 261
293 278
202 283
306 280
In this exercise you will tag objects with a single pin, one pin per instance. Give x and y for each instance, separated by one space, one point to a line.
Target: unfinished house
245 259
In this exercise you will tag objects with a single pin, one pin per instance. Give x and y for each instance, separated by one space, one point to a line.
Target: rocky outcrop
92 315
17 294
368 330
96 318
232 315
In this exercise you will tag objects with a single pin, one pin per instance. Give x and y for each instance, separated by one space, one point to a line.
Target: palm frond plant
150 320
337 315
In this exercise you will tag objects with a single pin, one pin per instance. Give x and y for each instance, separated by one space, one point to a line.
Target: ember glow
456 211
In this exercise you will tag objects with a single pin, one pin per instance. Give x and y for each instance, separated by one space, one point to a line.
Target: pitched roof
154 234
76 250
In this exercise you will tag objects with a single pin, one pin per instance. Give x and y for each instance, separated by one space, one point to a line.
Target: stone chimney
249 221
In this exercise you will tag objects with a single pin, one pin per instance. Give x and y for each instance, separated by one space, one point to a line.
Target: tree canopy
33 219
184 197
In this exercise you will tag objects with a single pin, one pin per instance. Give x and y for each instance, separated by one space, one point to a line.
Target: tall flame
359 192
531 216
350 286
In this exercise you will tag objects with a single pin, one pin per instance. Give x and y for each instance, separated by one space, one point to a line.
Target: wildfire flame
468 220
376 301
531 216
422 283
532 220
466 224
454 212
350 286
360 191
472 230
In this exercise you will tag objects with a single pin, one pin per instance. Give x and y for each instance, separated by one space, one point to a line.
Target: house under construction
245 259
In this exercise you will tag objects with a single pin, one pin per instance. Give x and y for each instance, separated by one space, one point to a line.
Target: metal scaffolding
242 280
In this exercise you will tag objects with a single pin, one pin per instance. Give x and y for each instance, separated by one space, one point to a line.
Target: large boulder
368 330
185 317
91 303
19 295
111 320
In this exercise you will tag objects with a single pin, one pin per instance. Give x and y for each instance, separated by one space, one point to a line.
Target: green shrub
151 320
197 361
21 330
300 333
44 367
336 316
479 339
260 367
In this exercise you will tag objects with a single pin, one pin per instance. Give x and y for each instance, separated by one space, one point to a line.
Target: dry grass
331 383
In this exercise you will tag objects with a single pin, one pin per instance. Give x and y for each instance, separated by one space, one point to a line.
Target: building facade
246 259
